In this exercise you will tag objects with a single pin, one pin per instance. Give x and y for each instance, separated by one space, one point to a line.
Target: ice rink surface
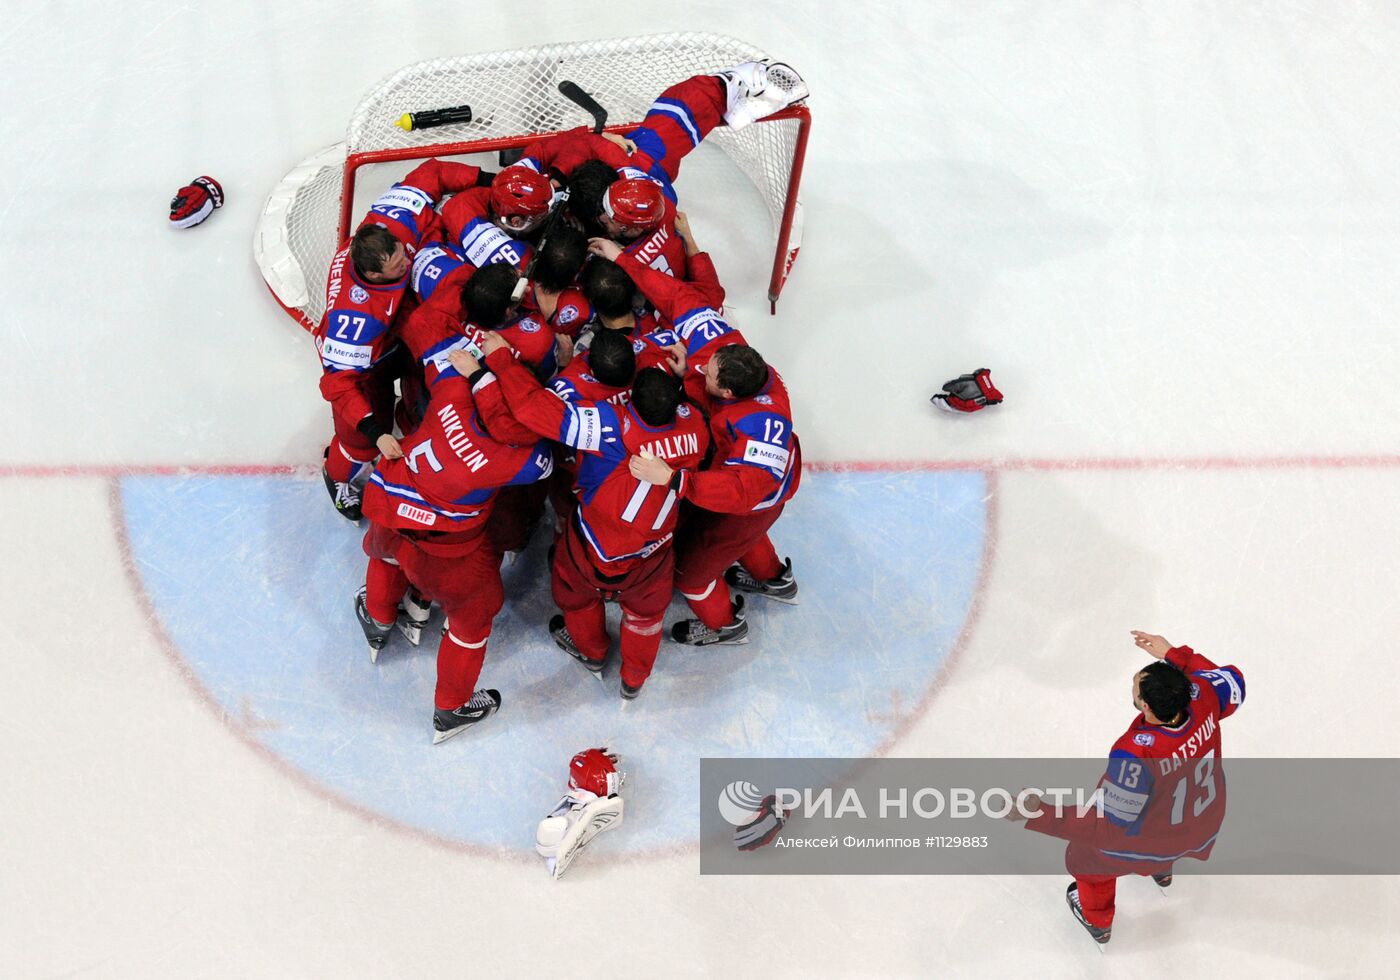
1172 230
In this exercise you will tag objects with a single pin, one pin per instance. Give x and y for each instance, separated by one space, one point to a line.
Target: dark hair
655 395
611 359
561 257
608 288
486 295
1164 689
741 370
588 182
371 248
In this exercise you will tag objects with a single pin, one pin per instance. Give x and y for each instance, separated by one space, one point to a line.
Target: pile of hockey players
560 346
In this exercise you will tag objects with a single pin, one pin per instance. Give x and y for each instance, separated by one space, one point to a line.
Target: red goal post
515 99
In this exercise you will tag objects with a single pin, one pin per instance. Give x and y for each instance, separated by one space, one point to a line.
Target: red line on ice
1011 464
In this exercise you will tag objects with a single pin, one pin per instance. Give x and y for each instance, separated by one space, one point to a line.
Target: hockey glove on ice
969 393
762 828
195 201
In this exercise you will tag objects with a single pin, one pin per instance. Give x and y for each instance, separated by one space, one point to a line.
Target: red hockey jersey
451 468
694 309
468 228
1164 790
622 519
758 460
556 156
356 332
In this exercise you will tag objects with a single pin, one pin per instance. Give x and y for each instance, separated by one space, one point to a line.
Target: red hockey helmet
518 192
595 770
635 203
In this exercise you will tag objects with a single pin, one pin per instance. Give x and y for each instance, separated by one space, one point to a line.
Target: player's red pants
463 573
708 544
1097 876
350 451
677 122
643 592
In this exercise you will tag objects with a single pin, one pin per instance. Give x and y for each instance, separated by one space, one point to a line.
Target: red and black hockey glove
762 828
969 393
195 201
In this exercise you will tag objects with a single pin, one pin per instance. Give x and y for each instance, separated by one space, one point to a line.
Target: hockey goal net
515 99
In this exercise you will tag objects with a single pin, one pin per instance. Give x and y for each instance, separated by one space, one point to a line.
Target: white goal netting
514 98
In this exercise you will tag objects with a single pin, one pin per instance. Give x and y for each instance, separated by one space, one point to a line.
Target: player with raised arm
365 294
617 545
429 510
1164 790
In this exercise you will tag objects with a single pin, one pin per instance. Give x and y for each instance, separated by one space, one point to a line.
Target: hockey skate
483 705
376 633
693 632
413 616
629 693
345 496
1163 881
756 89
565 642
783 588
1100 936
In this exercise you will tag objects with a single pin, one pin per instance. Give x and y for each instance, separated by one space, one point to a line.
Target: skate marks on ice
251 579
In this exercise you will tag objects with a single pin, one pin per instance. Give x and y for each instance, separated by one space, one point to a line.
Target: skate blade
595 674
439 737
602 668
444 736
374 654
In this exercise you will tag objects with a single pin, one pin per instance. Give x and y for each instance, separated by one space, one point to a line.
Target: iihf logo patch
358 295
1195 691
529 325
1144 738
764 399
638 346
567 315
683 411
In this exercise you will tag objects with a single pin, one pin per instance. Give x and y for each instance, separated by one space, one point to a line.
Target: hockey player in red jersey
755 471
454 319
609 291
617 545
429 510
461 309
691 306
365 293
502 223
601 372
1164 789
614 302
